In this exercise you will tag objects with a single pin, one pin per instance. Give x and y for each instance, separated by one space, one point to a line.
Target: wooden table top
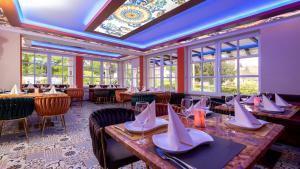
256 142
29 95
291 111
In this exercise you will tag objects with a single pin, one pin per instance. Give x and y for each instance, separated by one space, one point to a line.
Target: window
162 71
131 74
239 66
39 68
96 72
203 69
227 66
62 70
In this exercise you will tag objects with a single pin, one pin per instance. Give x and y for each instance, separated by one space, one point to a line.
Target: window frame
133 78
218 59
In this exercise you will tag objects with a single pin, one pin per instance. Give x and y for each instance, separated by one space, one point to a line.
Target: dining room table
232 147
256 110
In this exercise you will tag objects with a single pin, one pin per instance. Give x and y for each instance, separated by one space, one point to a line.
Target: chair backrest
176 98
118 95
75 92
101 93
142 97
163 97
15 108
52 105
162 109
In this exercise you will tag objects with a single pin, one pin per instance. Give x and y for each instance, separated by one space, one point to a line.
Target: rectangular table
256 142
30 95
291 111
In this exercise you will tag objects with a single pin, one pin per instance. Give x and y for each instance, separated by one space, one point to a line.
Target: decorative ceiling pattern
134 14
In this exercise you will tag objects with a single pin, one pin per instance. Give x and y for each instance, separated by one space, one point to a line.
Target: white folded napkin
148 114
231 102
201 103
250 100
14 90
269 105
243 116
177 133
279 101
30 86
52 90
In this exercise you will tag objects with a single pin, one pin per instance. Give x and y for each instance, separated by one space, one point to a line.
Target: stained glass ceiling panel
134 14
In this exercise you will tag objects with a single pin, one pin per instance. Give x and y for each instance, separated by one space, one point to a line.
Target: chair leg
25 128
63 122
43 125
1 126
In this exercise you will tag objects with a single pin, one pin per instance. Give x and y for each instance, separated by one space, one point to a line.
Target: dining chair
16 109
142 97
109 153
101 96
75 94
163 97
176 98
162 109
50 106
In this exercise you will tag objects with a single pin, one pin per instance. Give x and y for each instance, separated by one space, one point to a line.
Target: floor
57 150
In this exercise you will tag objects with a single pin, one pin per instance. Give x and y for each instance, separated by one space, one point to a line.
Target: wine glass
26 90
228 99
139 108
186 103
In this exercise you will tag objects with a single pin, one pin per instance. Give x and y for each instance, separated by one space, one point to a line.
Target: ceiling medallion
132 14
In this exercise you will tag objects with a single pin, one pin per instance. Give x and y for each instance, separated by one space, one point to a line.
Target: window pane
196 69
127 82
167 71
151 83
87 71
106 73
68 80
209 85
167 83
229 49
249 46
68 61
27 80
157 72
114 70
27 57
249 66
41 58
229 85
196 84
209 69
87 63
106 65
114 81
57 70
56 60
96 81
174 82
27 69
152 62
68 71
150 72
174 71
87 81
196 55
157 83
106 81
209 52
41 80
40 69
228 67
56 80
249 85
96 72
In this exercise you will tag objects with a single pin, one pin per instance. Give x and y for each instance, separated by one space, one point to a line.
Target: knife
163 156
180 161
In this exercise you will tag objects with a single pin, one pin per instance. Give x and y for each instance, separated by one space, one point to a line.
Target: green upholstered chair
15 109
142 97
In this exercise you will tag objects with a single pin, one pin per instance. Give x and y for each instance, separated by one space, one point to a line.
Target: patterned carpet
57 150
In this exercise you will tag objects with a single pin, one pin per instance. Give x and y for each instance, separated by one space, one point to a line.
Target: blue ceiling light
223 21
209 14
73 49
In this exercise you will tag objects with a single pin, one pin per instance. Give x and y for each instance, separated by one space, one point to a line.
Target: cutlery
123 130
177 161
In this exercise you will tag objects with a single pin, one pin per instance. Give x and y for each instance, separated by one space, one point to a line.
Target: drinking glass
139 107
186 103
26 90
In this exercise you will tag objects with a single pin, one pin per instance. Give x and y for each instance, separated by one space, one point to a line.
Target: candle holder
199 118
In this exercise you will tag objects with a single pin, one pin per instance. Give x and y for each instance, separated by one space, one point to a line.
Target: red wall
180 70
142 67
79 71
